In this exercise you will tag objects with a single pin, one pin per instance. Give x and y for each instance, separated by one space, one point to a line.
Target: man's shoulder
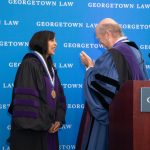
105 58
117 55
107 53
132 44
114 51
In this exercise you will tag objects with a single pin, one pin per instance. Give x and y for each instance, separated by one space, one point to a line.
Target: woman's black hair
39 43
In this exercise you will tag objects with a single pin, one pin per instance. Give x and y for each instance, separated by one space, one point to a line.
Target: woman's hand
54 128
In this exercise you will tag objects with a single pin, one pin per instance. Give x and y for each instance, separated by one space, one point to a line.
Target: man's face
102 38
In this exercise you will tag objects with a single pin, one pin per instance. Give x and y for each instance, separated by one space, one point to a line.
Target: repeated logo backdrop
74 22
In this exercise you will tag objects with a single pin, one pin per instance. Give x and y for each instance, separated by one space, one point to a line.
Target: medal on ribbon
52 80
53 94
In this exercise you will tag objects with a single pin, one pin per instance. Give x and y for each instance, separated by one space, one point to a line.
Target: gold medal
53 94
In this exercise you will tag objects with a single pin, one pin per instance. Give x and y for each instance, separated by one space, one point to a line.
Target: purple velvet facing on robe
126 51
26 91
27 102
51 101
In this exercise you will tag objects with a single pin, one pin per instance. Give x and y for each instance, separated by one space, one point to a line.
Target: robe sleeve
61 104
100 86
29 108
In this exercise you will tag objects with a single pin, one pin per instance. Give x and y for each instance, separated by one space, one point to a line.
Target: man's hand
54 128
86 60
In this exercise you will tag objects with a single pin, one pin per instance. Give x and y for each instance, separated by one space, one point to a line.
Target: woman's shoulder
30 60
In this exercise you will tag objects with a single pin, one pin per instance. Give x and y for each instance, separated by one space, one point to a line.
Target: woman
38 104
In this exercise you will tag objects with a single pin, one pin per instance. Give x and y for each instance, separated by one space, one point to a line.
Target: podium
129 128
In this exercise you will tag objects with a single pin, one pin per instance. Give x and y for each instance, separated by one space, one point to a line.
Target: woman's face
51 46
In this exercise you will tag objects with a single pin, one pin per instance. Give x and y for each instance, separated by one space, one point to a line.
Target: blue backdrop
74 22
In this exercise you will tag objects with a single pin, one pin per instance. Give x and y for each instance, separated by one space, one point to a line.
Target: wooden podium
129 128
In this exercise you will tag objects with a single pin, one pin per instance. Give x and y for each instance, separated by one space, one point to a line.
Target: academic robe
33 109
101 84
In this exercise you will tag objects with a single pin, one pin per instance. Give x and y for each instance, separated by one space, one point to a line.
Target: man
121 62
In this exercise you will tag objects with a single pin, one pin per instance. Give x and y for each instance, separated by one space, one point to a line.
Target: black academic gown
33 109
